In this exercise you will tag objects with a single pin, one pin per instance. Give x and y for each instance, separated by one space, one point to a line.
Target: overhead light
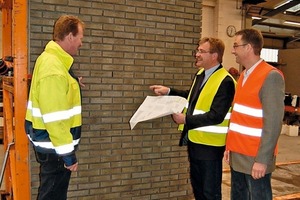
292 23
292 9
283 4
256 18
295 8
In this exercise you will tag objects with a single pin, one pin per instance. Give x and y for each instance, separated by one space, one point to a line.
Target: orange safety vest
246 123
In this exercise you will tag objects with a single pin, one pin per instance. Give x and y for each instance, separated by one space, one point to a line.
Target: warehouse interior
128 46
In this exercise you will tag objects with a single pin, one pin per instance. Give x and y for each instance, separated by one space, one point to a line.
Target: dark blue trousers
54 177
243 186
206 179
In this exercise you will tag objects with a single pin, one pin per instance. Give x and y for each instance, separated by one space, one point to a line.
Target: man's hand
159 90
258 170
178 118
72 168
226 156
80 82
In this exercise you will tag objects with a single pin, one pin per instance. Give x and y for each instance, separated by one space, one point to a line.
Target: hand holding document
157 106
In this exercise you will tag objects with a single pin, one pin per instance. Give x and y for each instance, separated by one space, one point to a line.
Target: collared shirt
249 71
209 72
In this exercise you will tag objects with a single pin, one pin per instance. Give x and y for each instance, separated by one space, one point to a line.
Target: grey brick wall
128 45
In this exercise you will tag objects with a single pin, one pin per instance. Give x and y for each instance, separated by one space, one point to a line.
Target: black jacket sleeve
182 93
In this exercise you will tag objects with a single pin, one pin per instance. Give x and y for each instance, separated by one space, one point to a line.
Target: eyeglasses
238 45
201 51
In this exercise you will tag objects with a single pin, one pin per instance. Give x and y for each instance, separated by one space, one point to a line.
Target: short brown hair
252 37
216 46
64 25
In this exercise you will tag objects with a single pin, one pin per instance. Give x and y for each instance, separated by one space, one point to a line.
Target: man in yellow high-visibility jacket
53 117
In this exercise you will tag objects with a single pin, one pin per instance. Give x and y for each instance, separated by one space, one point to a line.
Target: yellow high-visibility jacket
53 116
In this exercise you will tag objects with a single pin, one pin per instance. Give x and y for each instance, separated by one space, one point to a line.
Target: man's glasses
201 51
238 45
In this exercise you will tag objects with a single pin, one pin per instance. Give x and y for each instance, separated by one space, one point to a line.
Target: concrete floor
285 179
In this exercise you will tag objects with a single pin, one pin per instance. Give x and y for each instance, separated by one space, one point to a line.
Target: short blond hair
64 25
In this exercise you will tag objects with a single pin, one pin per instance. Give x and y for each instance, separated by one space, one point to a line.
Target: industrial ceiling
277 19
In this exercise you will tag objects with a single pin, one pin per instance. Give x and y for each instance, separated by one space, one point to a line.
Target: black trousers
54 177
206 179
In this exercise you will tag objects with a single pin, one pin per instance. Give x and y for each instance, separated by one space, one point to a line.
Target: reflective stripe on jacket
213 135
53 116
246 124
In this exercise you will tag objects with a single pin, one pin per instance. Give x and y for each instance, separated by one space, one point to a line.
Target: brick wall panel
128 45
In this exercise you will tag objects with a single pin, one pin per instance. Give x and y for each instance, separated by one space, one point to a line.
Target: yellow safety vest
214 135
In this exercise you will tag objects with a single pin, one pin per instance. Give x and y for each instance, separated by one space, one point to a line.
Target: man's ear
70 37
248 47
215 55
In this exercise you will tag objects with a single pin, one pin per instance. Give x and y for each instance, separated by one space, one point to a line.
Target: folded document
157 106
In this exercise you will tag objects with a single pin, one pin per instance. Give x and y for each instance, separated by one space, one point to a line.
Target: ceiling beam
279 26
275 11
295 39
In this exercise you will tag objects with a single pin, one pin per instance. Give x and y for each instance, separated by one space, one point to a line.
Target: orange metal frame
14 37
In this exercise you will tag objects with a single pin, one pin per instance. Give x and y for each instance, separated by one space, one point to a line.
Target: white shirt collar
250 70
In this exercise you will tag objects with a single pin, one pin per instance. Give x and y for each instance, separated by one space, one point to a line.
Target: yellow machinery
14 46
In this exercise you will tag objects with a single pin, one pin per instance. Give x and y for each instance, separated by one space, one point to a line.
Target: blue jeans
206 179
243 186
54 177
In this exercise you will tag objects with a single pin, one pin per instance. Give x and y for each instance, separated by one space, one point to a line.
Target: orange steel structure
14 37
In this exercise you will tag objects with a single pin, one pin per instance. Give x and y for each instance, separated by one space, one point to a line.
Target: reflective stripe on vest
245 130
248 110
212 128
256 132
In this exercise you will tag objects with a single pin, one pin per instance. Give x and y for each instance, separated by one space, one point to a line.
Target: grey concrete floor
286 177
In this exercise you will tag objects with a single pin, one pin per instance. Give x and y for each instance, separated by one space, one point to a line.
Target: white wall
291 60
217 15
